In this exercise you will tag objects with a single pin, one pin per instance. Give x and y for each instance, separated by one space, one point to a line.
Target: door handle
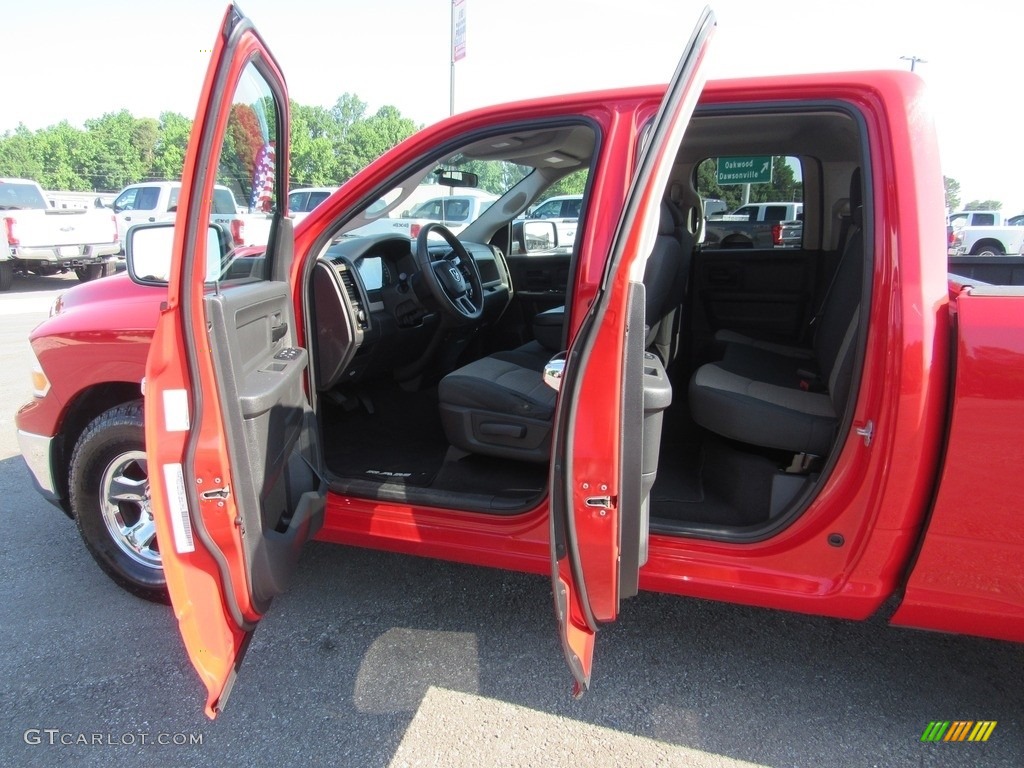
277 332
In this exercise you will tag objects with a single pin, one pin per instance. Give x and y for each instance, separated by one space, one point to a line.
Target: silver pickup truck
48 241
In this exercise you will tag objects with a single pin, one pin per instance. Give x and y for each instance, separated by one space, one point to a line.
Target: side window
457 210
224 202
742 187
126 200
147 198
247 169
172 199
315 198
548 210
297 202
984 219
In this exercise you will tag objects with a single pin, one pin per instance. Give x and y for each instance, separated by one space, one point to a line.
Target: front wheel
109 493
6 275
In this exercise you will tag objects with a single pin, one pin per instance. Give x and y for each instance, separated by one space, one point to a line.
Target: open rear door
599 481
230 434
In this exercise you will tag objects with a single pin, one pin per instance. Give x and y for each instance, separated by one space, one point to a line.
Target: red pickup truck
831 429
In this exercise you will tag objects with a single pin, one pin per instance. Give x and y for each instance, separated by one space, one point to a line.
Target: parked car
42 240
816 430
157 201
564 210
983 234
302 201
455 211
754 225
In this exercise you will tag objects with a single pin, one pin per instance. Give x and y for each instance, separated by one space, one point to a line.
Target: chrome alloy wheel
127 512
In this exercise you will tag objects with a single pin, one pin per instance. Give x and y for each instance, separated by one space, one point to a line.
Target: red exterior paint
199 590
969 573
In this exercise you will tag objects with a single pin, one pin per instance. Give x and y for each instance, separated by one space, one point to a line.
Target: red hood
117 287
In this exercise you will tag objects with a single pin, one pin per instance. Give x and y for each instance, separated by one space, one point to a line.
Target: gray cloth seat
499 405
787 397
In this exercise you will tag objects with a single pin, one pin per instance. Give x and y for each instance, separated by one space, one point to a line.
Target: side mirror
534 235
149 247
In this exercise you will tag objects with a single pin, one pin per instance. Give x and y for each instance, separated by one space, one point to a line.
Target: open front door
599 479
230 434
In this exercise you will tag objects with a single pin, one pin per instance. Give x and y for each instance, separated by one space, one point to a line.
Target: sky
83 59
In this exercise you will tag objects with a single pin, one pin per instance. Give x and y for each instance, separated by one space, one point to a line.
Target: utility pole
913 61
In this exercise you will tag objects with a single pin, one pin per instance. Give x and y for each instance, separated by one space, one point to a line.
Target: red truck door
601 473
230 435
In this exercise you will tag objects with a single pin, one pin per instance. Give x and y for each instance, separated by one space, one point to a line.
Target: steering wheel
453 279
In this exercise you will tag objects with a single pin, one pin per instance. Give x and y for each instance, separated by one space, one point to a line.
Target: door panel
764 294
272 431
228 421
593 535
540 282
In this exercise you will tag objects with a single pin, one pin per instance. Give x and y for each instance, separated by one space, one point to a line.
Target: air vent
352 290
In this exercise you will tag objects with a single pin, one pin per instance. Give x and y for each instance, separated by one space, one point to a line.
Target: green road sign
744 170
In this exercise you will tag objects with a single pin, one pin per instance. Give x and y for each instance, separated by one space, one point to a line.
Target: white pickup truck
48 241
455 212
983 233
157 201
564 211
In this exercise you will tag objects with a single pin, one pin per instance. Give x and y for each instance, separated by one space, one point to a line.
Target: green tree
67 155
373 136
171 144
117 158
983 205
573 184
20 154
347 111
952 187
314 135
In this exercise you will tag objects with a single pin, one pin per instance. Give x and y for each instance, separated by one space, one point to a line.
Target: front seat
500 406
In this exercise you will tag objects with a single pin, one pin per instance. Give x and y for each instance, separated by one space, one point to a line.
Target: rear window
749 196
14 196
224 202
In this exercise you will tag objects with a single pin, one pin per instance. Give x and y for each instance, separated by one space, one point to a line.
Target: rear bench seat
789 398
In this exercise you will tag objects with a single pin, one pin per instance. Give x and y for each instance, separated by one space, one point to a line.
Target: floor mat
389 436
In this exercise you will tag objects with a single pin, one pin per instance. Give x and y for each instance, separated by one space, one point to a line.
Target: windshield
482 186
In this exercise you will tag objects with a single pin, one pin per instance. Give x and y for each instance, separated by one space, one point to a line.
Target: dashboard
372 312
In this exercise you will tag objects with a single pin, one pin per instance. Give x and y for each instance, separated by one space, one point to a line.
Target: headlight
40 384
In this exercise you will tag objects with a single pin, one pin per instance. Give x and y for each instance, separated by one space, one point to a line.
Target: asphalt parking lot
374 659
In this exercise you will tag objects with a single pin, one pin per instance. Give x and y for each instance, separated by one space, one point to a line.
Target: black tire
6 275
109 493
988 250
90 272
